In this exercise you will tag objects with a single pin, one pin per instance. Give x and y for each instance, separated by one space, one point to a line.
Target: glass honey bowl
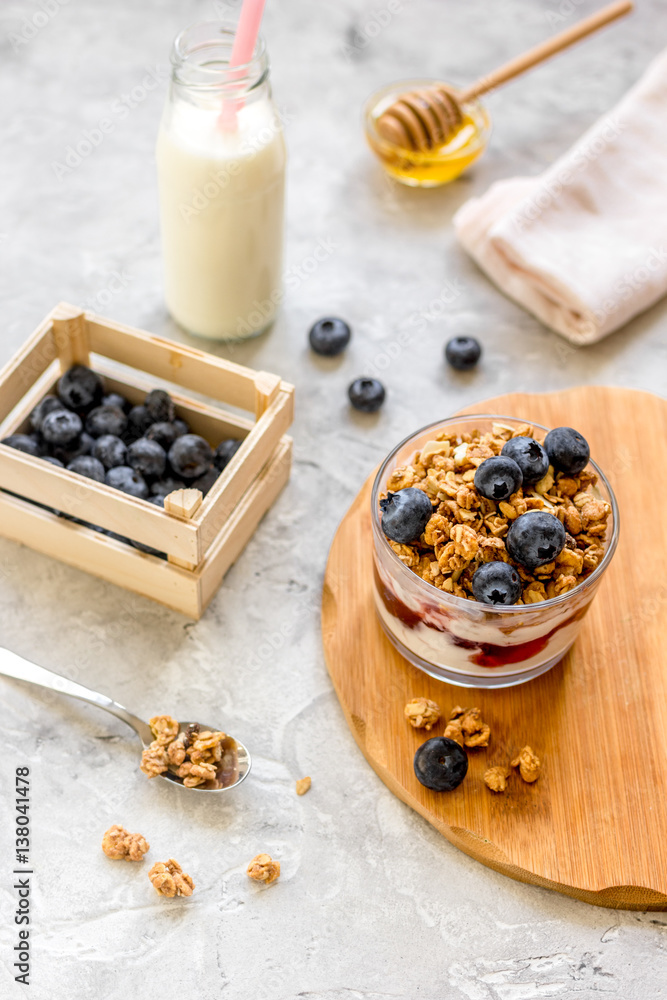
431 167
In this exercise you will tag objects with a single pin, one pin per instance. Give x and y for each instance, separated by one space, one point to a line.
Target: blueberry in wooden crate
186 547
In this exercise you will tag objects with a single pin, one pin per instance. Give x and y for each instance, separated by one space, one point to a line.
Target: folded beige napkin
584 245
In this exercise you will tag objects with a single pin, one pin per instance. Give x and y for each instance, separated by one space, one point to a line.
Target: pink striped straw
242 52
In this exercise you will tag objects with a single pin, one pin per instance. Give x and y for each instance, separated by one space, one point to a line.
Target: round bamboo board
593 825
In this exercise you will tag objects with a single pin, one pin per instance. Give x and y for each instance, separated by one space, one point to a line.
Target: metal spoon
13 665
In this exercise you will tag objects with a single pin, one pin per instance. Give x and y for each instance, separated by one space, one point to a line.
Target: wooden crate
201 536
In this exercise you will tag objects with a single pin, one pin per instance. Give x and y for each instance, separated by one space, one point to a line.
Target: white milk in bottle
221 178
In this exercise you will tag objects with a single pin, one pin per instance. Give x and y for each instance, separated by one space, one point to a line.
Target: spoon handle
13 665
548 48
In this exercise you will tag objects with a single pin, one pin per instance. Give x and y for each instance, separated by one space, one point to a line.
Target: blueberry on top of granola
496 583
535 538
567 449
405 514
529 455
467 529
498 477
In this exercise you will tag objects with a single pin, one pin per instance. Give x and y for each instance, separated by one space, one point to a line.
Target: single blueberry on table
110 451
567 449
329 336
61 427
160 406
123 478
225 452
190 456
106 420
366 394
405 514
23 442
441 764
529 455
164 433
496 583
89 467
147 457
497 478
463 353
80 388
43 408
535 538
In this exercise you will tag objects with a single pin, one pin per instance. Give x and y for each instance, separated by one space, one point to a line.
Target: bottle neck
201 71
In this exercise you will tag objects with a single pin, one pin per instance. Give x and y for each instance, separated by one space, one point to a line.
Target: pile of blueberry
145 450
534 538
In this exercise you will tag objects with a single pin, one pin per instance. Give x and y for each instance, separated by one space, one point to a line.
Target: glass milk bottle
221 178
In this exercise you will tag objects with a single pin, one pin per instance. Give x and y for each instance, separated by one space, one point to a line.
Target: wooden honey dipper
423 119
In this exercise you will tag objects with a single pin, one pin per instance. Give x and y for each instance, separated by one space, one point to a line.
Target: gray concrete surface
373 903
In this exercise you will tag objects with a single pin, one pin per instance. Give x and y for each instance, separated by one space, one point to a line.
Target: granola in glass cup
423 592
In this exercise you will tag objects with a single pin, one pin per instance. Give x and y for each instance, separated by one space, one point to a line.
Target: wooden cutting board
594 826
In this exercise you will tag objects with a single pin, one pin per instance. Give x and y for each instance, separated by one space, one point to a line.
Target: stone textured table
372 902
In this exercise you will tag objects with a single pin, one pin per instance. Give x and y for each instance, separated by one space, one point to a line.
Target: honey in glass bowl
431 167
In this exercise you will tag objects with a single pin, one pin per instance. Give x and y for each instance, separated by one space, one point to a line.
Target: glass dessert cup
433 167
466 642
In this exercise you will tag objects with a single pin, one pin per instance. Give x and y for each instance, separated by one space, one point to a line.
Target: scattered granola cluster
467 728
495 778
528 763
465 725
466 529
422 713
263 868
303 785
192 755
529 766
170 880
120 845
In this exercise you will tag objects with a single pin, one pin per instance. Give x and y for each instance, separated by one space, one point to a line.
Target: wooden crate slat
17 421
244 467
267 387
25 368
98 504
103 557
183 503
178 363
242 524
70 333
